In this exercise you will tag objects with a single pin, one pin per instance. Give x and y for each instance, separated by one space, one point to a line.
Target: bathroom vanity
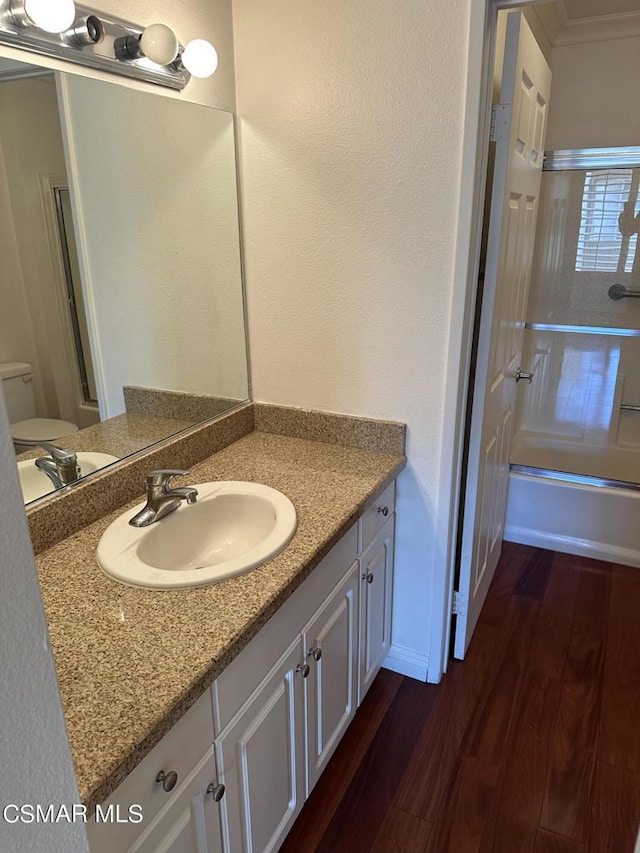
216 709
248 753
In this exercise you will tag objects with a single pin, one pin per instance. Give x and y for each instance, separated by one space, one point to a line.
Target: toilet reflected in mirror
27 430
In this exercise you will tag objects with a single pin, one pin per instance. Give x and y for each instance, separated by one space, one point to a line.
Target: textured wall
595 88
36 765
351 124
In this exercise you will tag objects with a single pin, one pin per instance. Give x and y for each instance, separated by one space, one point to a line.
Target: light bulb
200 58
52 16
159 44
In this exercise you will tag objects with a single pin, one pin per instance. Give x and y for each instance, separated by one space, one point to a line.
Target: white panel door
261 760
331 644
520 131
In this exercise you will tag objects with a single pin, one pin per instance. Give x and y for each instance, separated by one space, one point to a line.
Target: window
602 247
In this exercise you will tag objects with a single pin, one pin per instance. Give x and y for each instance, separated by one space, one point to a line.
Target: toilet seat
34 430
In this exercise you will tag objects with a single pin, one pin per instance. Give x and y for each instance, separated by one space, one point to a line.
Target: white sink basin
35 483
232 528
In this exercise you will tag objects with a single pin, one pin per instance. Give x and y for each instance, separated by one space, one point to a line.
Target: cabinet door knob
216 791
304 668
368 577
384 510
316 653
168 780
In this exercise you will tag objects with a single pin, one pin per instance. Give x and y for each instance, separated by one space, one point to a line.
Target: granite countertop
120 436
131 661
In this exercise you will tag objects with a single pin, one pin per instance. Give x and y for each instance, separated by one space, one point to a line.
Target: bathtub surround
582 519
63 514
180 405
157 651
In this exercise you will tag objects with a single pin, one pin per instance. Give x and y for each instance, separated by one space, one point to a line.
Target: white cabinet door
331 645
261 759
376 581
191 821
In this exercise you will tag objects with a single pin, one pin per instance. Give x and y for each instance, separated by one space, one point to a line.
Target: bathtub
593 513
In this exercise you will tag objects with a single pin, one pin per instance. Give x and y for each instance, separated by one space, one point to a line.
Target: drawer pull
384 510
316 654
216 791
168 780
304 668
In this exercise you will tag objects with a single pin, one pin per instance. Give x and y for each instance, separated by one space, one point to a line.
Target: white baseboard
407 662
570 545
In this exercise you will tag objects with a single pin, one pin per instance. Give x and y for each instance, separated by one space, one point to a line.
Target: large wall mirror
122 315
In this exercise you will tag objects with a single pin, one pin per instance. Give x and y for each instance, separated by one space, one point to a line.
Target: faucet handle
58 453
162 476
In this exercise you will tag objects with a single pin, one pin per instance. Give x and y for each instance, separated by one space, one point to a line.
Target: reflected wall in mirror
122 318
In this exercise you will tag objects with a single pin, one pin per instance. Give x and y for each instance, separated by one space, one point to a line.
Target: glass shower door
581 414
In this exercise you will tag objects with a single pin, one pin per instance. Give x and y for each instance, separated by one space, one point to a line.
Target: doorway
475 158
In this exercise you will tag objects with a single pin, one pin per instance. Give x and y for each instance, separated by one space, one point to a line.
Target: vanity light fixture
65 30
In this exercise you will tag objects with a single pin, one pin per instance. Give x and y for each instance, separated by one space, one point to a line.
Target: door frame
481 38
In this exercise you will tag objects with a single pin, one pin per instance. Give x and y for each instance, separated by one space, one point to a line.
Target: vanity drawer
375 517
178 751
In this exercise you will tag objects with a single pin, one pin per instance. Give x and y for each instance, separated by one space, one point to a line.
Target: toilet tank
17 386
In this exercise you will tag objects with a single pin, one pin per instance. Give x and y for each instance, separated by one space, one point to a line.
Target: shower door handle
522 375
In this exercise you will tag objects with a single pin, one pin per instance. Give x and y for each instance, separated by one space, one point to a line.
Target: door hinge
458 607
500 115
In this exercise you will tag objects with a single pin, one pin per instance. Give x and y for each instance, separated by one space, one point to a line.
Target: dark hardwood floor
531 744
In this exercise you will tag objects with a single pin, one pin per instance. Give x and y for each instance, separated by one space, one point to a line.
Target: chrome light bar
89 41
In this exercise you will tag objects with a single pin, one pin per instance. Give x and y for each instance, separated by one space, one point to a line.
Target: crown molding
605 28
551 17
562 12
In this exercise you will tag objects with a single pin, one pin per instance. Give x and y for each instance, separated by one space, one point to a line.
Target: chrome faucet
61 466
161 500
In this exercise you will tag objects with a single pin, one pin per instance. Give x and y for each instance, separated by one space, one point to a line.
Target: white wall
32 145
595 92
16 334
351 122
36 766
157 228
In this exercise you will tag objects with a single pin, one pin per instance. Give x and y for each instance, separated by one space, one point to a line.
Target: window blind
601 245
